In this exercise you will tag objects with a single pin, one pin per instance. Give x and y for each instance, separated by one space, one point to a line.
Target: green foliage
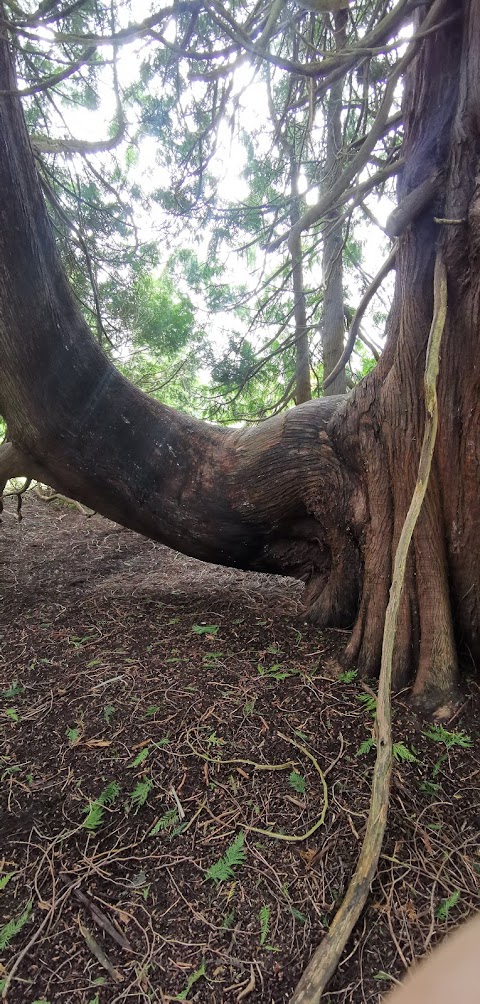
443 910
449 739
12 714
276 672
234 856
95 809
197 975
5 879
72 735
13 690
207 629
297 782
366 746
14 926
264 918
140 758
348 676
166 822
140 793
369 703
402 752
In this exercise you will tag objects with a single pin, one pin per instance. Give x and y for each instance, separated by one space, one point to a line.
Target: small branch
55 78
327 956
358 317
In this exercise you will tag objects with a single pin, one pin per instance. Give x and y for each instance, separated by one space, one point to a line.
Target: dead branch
50 495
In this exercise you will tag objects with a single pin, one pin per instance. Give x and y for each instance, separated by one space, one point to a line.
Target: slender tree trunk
333 299
303 386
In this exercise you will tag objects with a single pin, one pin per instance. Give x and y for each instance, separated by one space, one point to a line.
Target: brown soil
201 690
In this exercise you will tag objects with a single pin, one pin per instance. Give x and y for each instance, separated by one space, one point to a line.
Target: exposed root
327 956
49 494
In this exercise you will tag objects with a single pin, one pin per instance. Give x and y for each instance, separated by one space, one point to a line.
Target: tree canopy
221 130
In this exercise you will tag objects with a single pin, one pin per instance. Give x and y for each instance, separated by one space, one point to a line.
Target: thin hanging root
325 959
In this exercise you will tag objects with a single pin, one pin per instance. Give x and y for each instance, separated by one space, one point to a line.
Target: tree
321 491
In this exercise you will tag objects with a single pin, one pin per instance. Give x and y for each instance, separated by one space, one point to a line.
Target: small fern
5 879
369 703
440 735
140 793
264 918
95 815
95 809
366 746
348 676
446 905
140 758
14 926
109 794
402 752
224 869
166 822
297 782
197 975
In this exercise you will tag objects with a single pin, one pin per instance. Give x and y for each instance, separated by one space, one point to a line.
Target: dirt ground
185 779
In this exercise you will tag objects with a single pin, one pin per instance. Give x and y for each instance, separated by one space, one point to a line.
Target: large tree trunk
380 430
321 492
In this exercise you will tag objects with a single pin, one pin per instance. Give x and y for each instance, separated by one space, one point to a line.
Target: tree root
327 956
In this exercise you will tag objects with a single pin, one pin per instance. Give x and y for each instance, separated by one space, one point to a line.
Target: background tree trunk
333 333
303 386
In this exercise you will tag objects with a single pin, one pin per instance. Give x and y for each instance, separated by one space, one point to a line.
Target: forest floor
157 716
